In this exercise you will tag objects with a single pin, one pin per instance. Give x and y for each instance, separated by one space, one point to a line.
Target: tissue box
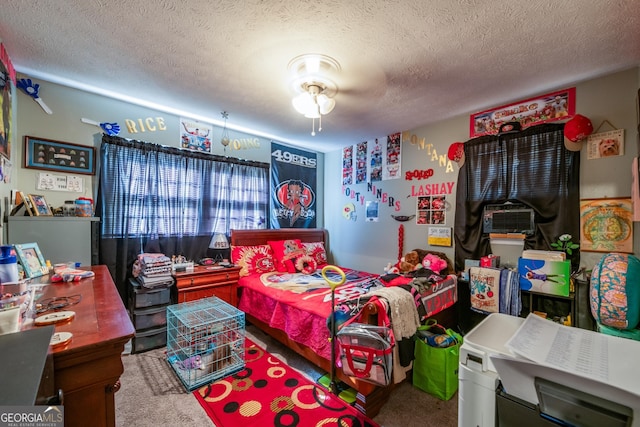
545 276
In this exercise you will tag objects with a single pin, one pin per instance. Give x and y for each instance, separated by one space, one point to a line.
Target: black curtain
531 167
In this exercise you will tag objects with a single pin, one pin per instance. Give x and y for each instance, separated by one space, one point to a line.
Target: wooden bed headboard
261 237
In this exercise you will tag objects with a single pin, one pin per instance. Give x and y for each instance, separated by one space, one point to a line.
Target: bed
293 308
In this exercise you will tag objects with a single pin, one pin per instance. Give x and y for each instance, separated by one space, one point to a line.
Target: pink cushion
285 252
253 259
316 251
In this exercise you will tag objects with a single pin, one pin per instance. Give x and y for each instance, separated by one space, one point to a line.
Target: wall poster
195 135
375 162
430 210
606 225
293 187
347 165
372 211
361 162
7 76
372 161
560 105
439 236
393 157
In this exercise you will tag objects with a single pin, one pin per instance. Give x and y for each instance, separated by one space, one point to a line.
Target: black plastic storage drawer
149 317
141 297
149 339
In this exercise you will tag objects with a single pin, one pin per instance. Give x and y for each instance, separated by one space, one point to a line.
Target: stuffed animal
409 262
193 362
391 269
434 263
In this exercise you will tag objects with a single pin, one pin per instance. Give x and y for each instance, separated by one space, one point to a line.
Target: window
532 168
155 191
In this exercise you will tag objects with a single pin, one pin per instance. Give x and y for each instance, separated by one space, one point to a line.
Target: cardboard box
544 276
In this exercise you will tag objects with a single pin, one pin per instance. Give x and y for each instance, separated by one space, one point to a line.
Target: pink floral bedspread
299 304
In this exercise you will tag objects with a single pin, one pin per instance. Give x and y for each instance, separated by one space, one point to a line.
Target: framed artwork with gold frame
606 225
39 205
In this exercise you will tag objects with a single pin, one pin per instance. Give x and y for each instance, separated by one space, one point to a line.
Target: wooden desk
204 282
88 368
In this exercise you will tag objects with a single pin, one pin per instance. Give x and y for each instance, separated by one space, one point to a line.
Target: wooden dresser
88 368
209 281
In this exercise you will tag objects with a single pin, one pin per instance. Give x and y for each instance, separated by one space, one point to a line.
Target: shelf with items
558 308
577 303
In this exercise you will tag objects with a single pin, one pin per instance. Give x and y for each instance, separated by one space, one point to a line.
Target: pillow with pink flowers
253 259
316 251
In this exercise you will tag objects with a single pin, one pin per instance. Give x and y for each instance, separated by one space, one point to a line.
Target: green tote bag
435 369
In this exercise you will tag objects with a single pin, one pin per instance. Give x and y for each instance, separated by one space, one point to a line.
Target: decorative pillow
306 264
285 252
317 251
253 259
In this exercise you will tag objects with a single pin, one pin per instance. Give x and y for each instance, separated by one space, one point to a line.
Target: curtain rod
150 146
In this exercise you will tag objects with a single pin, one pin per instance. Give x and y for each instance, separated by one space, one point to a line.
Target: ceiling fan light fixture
313 113
302 103
311 80
325 103
313 64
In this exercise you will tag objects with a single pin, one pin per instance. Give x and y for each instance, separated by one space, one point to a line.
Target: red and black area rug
267 392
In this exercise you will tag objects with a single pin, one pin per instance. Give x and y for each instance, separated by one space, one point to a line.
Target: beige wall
371 245
360 244
70 105
8 181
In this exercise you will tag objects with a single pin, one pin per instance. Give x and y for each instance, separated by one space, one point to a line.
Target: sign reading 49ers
293 182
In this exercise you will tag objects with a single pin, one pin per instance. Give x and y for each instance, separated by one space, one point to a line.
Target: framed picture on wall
31 259
47 154
606 225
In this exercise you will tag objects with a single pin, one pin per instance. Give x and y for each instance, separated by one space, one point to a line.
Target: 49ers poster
293 187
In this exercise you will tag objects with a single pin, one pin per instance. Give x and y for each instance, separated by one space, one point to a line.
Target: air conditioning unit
508 218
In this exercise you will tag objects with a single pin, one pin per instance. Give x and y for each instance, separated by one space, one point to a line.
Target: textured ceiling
404 63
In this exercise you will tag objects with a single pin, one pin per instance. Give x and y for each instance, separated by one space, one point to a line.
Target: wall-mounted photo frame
605 144
47 154
31 259
439 236
606 225
39 205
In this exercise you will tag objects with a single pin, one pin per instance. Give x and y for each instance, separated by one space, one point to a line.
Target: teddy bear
409 262
434 263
